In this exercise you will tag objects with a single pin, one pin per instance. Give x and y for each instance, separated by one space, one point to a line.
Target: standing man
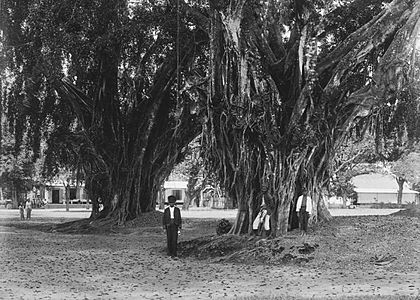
304 208
22 211
172 224
28 207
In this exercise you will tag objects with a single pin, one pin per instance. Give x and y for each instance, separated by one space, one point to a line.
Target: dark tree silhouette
274 87
123 115
283 98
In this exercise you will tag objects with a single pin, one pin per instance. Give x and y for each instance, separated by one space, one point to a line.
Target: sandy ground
41 265
191 213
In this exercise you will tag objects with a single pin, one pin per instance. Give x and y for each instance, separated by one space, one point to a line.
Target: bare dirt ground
354 256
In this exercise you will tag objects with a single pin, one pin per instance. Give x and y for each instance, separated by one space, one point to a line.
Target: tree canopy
118 106
288 92
273 87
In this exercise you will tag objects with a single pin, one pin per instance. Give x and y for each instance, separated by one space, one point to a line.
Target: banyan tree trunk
128 154
242 220
296 115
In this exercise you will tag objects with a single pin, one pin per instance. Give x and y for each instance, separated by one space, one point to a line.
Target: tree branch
82 104
364 40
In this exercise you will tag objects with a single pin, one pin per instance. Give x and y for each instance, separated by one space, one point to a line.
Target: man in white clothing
262 221
304 209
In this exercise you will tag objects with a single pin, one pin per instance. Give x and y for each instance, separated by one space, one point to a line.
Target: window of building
72 194
177 194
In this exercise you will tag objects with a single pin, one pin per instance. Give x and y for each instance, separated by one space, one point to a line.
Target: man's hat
171 199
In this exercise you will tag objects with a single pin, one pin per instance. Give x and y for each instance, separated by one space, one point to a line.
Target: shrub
223 227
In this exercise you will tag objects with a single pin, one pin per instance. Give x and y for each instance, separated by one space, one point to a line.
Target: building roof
384 191
175 184
378 183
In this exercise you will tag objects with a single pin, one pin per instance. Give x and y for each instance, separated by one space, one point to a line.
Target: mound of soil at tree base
409 212
365 240
149 219
108 225
245 249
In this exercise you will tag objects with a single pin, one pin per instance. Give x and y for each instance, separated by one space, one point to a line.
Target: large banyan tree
122 115
290 80
274 87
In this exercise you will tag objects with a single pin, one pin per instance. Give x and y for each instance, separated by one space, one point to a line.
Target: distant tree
406 169
194 170
18 171
354 157
200 182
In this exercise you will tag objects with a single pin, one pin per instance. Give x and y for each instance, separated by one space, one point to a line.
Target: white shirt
171 210
262 217
308 204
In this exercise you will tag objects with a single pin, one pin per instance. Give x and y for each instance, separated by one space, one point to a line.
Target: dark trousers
28 213
172 238
303 220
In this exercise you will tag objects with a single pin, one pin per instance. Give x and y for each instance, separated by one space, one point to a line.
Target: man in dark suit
172 224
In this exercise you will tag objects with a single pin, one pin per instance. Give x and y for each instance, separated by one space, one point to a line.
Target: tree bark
311 107
128 154
400 182
15 196
67 196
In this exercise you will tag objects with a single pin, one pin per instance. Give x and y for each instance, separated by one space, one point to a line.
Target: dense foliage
291 80
118 116
274 87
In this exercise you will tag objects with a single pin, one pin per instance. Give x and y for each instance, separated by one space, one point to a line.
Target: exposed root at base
245 249
108 225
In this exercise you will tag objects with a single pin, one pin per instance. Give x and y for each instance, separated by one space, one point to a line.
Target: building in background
381 188
55 193
177 188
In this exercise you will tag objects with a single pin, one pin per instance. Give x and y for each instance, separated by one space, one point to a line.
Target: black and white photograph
210 149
